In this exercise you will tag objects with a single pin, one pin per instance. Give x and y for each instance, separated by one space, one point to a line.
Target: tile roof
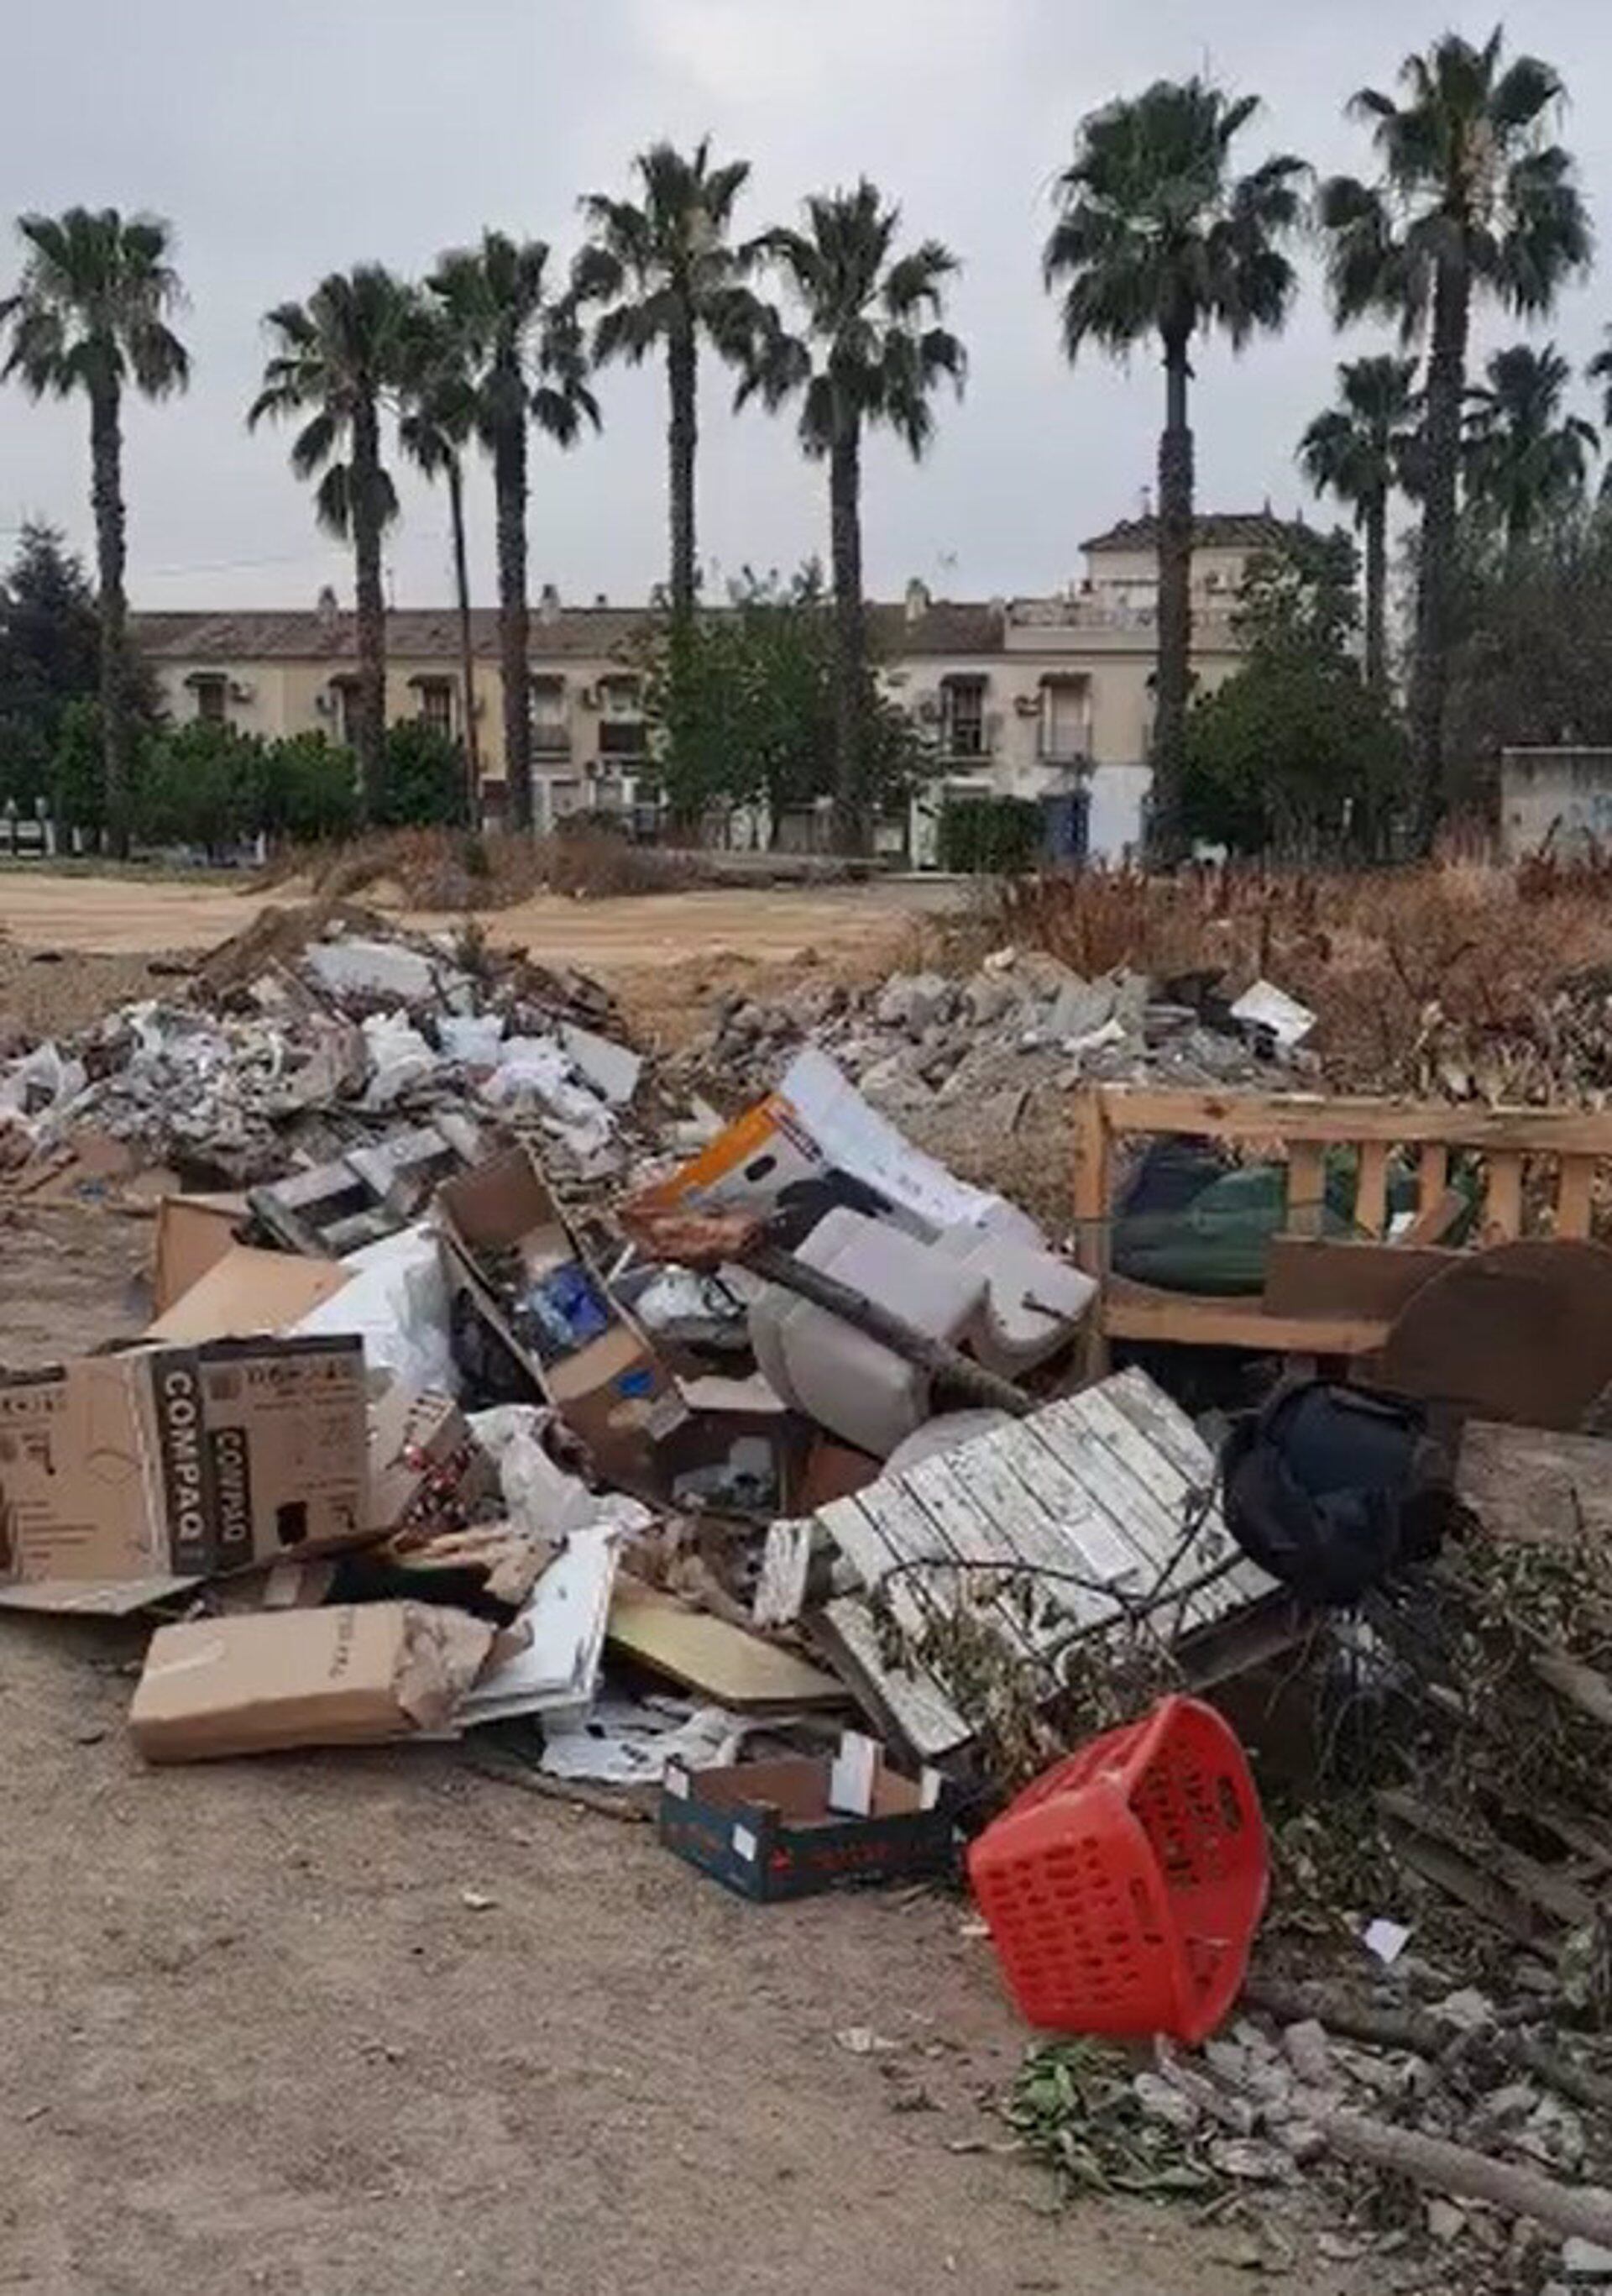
578 633
1216 529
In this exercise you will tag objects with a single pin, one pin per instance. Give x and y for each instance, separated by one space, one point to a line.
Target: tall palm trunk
467 657
1174 606
1447 386
366 517
509 484
851 824
1375 519
106 498
682 434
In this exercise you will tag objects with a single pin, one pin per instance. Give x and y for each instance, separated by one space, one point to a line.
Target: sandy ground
128 915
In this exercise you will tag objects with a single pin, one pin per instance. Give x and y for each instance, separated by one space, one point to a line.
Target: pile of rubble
1024 1021
756 1472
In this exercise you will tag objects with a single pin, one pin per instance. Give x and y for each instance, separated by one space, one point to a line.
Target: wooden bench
1298 1129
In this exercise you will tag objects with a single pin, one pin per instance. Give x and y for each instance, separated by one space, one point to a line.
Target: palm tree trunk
106 498
683 383
370 607
851 823
509 484
1165 836
1375 517
1446 385
467 657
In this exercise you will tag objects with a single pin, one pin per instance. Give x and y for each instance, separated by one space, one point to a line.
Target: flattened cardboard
246 1291
358 1674
706 1654
146 1471
608 1389
192 1232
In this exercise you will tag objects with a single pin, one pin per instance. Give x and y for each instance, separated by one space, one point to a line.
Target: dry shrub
598 864
458 870
1413 972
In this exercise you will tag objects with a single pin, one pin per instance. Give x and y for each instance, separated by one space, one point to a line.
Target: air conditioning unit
326 704
1026 705
242 690
589 697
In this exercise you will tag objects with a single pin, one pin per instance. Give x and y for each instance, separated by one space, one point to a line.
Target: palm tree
91 314
1470 199
1358 450
438 421
1157 236
871 349
1526 460
527 359
340 358
671 276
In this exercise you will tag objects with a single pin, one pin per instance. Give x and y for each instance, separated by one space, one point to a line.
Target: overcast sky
287 140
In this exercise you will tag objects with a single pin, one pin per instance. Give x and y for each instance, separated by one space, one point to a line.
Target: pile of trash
1025 1021
766 1478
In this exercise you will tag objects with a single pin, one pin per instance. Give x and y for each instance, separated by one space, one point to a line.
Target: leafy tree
424 777
1157 237
310 790
1599 370
50 645
528 360
1526 461
204 785
91 314
1294 753
1360 450
437 422
743 704
671 275
1471 199
339 358
869 350
1532 662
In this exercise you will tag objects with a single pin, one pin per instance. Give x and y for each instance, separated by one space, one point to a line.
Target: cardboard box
358 1674
427 1471
533 1285
192 1232
766 1830
168 1464
246 1291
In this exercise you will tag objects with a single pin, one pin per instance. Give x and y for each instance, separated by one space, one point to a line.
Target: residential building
1049 698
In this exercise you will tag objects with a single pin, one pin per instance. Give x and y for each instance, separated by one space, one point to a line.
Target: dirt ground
254 2035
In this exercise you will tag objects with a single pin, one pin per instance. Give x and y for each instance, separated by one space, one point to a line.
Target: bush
991 836
310 790
203 784
423 784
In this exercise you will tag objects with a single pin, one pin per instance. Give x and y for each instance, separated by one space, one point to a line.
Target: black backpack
1333 1489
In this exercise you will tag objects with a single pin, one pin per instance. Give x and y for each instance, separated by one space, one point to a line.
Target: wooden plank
1502 1198
1432 1179
1097 1554
785 1576
1090 1185
870 1555
913 1706
1181 1455
1263 1116
1133 1505
1162 1505
1436 1219
988 1472
1371 1188
1306 1187
921 1533
1137 1311
1575 1187
1327 1275
975 1534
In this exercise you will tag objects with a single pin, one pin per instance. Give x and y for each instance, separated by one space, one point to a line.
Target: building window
622 732
1066 722
346 692
437 705
962 717
551 734
212 699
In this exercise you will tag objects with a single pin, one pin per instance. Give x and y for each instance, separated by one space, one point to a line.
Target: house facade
1046 698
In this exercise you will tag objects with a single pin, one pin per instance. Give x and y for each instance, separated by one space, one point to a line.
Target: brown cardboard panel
707 1655
1325 1275
192 1232
246 1291
171 1464
358 1674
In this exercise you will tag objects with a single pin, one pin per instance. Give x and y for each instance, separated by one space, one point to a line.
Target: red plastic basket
1122 1889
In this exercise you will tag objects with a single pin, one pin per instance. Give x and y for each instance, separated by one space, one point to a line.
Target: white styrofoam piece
1267 1006
556 1671
1033 1299
611 1069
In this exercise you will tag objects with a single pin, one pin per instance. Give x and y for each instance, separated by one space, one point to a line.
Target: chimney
548 605
918 600
327 608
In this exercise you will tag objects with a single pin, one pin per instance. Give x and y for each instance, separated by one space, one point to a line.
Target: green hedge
991 836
